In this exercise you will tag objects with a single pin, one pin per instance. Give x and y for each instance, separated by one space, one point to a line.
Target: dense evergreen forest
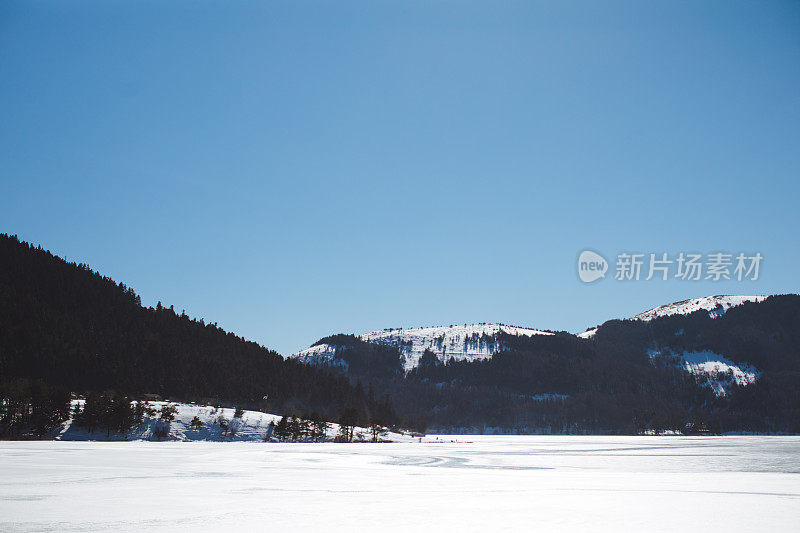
64 327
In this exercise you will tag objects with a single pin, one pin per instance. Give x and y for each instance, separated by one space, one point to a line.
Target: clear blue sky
295 169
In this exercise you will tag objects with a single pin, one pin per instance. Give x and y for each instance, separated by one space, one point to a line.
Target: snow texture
477 484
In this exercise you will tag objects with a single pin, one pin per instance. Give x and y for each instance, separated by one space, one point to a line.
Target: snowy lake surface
481 483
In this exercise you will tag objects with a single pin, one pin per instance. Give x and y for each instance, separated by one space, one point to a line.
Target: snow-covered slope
474 341
459 342
709 303
321 355
218 424
714 370
253 425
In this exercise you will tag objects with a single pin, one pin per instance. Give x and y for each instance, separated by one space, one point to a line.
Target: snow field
477 484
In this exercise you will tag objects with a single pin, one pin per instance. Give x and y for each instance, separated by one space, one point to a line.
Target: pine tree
295 428
347 422
138 413
319 427
305 429
123 414
282 429
168 413
377 429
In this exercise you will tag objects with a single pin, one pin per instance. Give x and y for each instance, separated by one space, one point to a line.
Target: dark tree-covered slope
365 359
69 326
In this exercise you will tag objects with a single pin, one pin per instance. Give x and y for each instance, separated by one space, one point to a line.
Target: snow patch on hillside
322 355
548 397
253 426
717 372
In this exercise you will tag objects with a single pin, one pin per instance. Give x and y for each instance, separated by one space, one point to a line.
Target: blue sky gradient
295 169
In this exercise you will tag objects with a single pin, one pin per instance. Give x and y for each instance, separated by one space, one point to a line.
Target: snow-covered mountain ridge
708 303
476 341
715 305
480 341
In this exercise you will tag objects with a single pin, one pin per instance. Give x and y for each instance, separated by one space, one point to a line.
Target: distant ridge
709 303
685 307
467 342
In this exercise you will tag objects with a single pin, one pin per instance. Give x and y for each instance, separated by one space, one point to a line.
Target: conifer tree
168 413
377 429
295 428
347 422
282 429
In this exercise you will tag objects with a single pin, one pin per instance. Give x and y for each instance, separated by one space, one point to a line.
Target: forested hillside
64 325
671 373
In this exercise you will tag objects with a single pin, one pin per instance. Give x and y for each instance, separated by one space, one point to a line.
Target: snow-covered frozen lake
483 484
